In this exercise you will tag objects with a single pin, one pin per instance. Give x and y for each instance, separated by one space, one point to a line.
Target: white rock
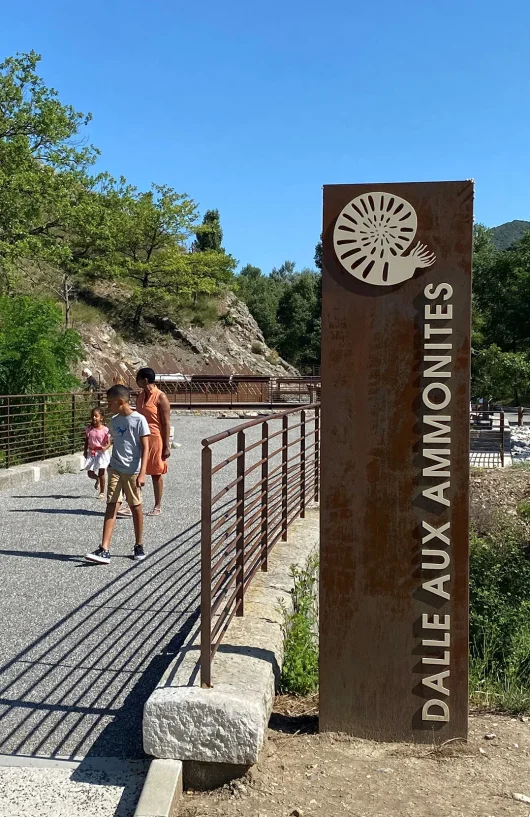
521 798
212 725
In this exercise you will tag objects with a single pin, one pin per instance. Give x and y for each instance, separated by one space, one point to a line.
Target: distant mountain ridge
506 234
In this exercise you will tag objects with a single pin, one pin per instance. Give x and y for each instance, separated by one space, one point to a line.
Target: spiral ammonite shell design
371 234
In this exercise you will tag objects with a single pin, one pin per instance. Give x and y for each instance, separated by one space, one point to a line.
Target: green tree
501 376
318 255
261 294
89 242
501 287
41 168
299 319
210 235
36 353
151 251
286 273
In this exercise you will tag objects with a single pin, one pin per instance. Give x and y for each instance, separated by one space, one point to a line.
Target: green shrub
300 629
228 320
35 351
272 357
500 616
81 312
204 312
523 509
258 348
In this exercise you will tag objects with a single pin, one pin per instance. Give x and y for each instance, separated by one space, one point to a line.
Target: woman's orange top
149 408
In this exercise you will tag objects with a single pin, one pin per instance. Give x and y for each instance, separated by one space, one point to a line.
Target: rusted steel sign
396 310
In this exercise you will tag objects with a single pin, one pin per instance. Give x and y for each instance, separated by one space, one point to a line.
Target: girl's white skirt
99 460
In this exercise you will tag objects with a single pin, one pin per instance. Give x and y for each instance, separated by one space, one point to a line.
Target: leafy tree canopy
286 305
35 351
42 171
61 227
209 236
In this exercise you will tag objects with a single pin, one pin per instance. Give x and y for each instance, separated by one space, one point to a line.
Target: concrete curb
162 790
224 727
26 474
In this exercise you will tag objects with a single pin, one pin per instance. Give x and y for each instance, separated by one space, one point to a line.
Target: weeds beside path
500 590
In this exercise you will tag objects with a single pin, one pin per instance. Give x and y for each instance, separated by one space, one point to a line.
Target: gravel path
104 790
82 646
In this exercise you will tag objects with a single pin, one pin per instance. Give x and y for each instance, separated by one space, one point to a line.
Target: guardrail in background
38 426
248 500
195 391
493 424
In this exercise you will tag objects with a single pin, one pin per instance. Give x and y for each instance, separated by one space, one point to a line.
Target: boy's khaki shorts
126 483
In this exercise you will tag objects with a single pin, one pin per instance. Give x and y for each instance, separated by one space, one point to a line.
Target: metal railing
237 390
491 422
249 497
38 426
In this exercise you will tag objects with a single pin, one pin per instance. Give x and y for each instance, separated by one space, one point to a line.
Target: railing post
302 464
285 455
520 413
501 418
206 567
240 529
43 427
265 495
317 452
8 429
73 423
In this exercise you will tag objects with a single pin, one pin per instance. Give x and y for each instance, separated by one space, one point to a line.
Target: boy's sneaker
139 553
99 556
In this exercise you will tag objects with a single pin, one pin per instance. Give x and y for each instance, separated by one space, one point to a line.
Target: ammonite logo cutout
373 233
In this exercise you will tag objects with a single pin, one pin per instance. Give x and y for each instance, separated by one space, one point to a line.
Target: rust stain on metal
387 672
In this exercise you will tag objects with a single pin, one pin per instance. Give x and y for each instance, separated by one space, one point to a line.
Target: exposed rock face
233 345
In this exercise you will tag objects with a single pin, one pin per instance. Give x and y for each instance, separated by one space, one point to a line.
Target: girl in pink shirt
97 444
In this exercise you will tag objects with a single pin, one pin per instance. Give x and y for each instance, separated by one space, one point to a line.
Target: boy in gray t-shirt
128 463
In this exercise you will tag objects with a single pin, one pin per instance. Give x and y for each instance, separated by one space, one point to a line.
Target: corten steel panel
372 506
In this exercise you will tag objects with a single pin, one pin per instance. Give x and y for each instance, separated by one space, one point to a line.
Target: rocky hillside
233 344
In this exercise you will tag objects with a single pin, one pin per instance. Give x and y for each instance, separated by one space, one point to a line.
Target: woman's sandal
155 512
124 514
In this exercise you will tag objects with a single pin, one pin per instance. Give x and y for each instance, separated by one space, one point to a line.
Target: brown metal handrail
229 391
35 427
249 497
38 426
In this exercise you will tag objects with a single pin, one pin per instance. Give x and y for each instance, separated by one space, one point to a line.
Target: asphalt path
82 646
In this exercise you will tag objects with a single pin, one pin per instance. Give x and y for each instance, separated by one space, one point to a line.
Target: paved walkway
82 646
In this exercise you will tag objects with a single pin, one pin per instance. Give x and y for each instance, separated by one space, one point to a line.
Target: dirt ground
304 774
497 490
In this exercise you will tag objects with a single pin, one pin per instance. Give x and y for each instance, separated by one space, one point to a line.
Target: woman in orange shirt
154 405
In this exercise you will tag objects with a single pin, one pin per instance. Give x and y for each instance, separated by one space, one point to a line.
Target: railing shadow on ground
163 595
64 716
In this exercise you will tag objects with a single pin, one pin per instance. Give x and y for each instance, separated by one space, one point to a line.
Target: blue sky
252 107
